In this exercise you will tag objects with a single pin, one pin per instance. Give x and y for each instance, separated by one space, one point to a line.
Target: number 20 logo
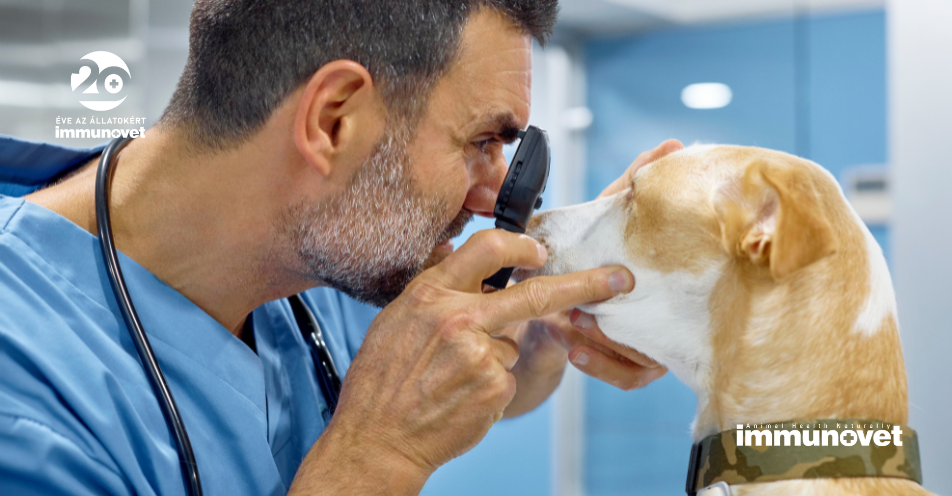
104 67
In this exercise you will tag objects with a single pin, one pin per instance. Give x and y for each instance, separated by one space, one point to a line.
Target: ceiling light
706 95
577 118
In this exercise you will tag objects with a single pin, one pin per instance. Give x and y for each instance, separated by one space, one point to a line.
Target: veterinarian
311 146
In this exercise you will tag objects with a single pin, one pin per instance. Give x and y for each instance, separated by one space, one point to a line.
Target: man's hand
541 364
596 355
432 375
544 345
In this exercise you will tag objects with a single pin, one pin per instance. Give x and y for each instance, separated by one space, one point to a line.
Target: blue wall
513 459
814 87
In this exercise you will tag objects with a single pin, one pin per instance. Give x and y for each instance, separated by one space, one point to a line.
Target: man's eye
482 145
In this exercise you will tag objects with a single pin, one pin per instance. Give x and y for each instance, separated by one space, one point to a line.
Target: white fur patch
697 149
666 316
881 301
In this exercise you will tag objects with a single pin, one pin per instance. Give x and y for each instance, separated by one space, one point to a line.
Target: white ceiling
593 16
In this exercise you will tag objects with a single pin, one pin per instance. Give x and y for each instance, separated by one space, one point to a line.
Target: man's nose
488 176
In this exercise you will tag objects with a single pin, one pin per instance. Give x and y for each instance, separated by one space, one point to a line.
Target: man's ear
340 113
773 217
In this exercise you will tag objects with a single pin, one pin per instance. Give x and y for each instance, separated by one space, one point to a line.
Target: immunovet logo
104 67
100 85
818 434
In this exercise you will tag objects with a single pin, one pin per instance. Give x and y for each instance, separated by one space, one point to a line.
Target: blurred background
859 86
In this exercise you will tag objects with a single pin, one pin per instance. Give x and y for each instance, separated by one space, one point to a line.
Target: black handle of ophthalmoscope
521 192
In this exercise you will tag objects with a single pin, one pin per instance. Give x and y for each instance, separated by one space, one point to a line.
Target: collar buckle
717 489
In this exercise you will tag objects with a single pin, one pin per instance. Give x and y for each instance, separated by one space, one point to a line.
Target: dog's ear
773 217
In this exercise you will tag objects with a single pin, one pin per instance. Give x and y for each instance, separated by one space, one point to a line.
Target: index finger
621 373
622 183
485 253
539 296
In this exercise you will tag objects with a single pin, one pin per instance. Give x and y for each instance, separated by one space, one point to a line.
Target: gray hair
246 56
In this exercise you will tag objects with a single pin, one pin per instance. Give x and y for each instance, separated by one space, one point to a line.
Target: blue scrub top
77 414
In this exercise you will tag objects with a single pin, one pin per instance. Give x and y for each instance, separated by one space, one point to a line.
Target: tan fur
801 234
784 309
667 216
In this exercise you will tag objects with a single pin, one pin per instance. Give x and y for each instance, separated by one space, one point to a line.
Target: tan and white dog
757 285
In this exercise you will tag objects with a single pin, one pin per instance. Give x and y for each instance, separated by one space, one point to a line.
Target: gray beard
376 236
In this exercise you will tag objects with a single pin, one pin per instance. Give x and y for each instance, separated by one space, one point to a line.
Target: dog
756 284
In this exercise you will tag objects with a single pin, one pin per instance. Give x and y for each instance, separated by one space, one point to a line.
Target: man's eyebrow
504 124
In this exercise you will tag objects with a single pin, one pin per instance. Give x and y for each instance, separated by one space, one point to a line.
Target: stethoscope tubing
151 365
328 378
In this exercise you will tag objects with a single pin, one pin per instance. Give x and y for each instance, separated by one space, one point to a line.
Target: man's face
480 104
414 194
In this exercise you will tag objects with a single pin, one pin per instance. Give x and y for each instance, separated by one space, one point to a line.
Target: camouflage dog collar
805 450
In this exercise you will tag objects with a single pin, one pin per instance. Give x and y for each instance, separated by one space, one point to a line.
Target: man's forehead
492 73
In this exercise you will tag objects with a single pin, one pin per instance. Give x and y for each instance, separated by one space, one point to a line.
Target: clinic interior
810 77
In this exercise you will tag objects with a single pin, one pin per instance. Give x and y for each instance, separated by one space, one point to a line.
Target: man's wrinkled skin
443 361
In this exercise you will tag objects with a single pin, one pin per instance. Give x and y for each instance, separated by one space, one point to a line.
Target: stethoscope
327 375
